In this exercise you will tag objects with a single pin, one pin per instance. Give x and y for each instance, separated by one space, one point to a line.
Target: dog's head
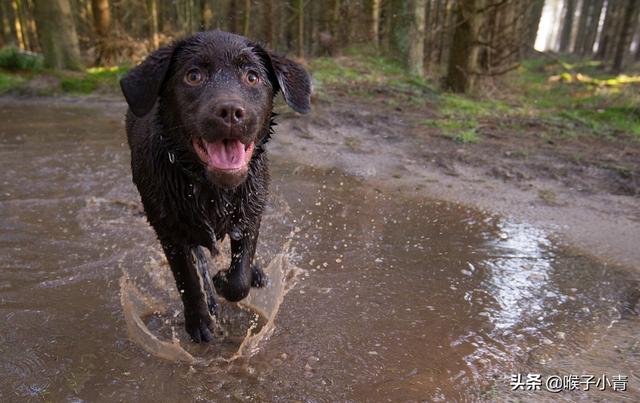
215 89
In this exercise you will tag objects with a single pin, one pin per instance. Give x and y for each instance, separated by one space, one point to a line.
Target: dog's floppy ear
290 78
142 84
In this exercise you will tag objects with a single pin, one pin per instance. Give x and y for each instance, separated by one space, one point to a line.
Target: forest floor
537 146
554 144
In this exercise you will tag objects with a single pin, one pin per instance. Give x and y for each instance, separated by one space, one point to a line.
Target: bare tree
153 23
246 17
463 54
626 32
375 22
300 25
57 34
567 25
587 39
609 29
268 19
101 24
8 27
18 25
535 15
416 38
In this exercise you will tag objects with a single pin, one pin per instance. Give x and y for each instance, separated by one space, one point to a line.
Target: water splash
152 310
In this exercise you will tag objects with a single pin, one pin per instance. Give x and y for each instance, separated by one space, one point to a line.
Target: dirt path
585 190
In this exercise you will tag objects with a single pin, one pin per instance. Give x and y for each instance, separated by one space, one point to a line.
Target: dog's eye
252 77
194 77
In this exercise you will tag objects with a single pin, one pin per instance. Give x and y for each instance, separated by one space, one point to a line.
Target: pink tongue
226 154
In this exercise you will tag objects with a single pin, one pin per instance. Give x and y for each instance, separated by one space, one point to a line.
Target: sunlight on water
517 275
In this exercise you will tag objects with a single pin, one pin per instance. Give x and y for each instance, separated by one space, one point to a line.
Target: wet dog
199 118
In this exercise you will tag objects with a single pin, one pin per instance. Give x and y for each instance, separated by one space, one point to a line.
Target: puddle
152 310
374 295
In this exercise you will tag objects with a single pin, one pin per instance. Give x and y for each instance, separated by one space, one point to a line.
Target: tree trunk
232 18
448 16
8 36
535 14
300 26
206 14
101 17
375 22
626 31
427 36
246 18
18 25
153 23
268 23
434 26
416 38
567 26
637 56
591 29
101 24
312 31
463 53
583 19
334 24
57 34
608 34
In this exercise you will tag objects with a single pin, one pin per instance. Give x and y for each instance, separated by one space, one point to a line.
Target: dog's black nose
230 113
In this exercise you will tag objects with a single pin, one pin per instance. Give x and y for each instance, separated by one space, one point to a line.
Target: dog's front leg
234 284
184 261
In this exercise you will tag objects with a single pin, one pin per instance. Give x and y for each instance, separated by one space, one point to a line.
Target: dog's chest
217 209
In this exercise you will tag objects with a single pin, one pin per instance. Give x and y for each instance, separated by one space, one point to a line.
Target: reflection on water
518 274
399 298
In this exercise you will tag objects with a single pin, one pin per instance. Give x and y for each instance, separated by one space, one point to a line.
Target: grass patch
9 82
48 82
581 97
467 136
358 68
461 106
13 59
462 130
97 79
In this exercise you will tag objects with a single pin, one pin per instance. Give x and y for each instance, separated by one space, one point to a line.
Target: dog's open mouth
224 155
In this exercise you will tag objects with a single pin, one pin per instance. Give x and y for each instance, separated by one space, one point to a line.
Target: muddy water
396 297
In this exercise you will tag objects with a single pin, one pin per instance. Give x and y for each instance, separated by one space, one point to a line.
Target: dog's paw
199 328
259 278
232 291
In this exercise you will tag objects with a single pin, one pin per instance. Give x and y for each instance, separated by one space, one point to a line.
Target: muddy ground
401 296
585 189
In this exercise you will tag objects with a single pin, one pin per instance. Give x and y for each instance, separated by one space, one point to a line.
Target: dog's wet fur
200 115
